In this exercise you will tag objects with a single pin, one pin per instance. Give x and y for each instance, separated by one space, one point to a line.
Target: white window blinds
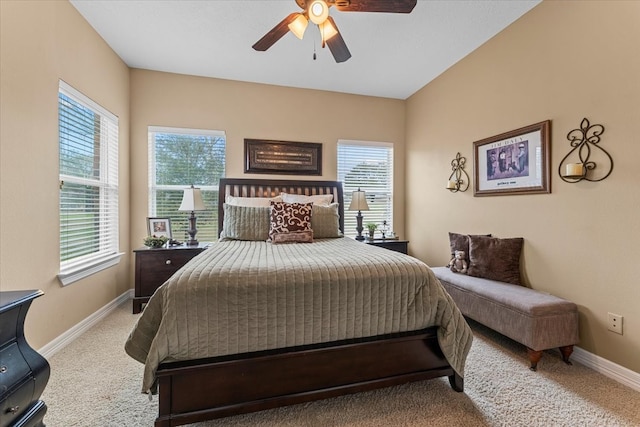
88 161
179 158
368 166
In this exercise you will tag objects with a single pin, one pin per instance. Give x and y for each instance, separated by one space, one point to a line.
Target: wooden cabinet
391 244
23 372
155 266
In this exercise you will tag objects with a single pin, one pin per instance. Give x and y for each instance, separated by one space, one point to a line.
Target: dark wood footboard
199 390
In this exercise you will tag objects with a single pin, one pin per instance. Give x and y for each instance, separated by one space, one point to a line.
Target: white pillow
251 201
320 199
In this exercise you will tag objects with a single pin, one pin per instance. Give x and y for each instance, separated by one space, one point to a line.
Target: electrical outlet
614 323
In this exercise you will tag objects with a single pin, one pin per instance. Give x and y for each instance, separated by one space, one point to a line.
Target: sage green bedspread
240 296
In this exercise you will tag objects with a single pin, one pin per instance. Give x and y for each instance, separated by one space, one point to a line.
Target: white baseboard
66 338
607 368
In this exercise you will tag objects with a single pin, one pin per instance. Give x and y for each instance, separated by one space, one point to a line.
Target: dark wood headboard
247 187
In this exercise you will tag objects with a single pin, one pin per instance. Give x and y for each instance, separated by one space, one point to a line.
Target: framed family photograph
282 157
515 162
159 227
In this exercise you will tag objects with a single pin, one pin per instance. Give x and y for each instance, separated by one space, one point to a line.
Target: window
179 158
88 159
368 166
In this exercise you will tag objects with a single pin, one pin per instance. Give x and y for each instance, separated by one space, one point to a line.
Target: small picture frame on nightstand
159 227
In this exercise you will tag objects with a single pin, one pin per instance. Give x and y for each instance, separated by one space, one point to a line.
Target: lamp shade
327 30
192 200
358 201
298 26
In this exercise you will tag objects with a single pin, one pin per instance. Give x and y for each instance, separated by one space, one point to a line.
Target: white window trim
151 130
86 266
366 143
151 161
69 90
186 131
85 269
384 144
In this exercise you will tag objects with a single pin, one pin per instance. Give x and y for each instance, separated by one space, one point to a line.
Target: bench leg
534 358
566 353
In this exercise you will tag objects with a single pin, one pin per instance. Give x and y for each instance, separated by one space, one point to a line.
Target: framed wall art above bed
514 162
282 157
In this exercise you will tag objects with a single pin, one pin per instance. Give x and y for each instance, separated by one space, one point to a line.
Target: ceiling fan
317 11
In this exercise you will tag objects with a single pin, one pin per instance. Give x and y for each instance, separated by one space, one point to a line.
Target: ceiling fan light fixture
327 31
298 26
318 12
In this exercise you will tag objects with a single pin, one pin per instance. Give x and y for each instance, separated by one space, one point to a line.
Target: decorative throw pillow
289 218
245 223
495 259
325 221
460 242
251 201
318 199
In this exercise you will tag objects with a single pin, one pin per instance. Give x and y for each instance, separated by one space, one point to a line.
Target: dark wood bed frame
198 390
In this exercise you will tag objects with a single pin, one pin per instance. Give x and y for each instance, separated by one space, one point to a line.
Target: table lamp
359 203
192 201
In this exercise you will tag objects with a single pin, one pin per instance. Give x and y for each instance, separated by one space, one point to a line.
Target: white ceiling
393 55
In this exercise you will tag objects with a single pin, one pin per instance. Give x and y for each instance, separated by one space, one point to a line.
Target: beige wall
42 42
248 110
562 61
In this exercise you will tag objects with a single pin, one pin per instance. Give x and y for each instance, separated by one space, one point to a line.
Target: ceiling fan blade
336 44
389 6
275 34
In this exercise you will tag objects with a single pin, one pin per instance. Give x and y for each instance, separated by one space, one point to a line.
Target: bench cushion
538 320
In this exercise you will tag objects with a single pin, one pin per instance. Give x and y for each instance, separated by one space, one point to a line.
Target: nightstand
391 244
23 372
155 266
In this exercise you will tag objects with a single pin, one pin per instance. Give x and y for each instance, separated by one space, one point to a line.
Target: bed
251 325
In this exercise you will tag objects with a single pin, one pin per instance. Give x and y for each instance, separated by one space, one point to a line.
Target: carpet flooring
94 383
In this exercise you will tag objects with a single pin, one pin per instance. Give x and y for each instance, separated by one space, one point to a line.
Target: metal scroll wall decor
585 142
456 182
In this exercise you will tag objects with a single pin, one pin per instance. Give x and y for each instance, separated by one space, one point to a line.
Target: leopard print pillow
289 217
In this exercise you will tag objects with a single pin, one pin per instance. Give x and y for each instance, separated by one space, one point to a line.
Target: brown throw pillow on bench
495 259
460 242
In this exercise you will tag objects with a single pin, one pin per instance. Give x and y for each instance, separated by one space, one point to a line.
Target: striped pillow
245 223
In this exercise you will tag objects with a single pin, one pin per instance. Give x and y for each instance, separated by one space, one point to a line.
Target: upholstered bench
538 320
